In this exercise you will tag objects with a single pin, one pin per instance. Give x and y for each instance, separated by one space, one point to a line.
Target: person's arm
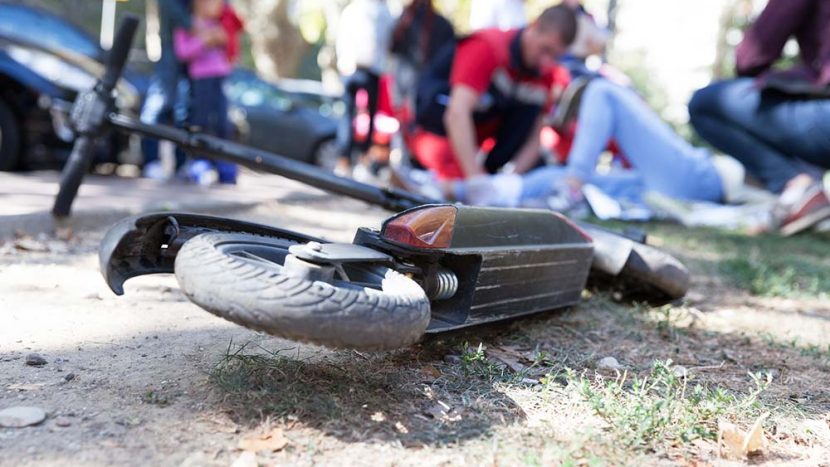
765 39
458 121
528 155
187 46
177 12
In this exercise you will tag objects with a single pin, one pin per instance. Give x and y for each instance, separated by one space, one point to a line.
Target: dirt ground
150 379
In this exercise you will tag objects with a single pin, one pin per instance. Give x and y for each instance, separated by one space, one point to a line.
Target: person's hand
213 36
219 36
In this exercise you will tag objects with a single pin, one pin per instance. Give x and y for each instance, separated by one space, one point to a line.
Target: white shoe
154 170
732 174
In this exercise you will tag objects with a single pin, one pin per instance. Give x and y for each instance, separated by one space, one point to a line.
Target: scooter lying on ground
431 267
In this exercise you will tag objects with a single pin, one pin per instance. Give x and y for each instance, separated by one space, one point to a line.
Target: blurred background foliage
294 38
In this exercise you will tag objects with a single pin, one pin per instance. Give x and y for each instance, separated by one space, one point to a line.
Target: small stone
69 377
609 363
34 359
21 416
453 359
63 422
680 371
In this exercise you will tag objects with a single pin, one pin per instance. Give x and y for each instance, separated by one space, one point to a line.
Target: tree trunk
276 43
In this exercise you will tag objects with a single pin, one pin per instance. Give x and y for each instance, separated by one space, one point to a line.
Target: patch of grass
156 398
663 409
814 351
765 265
474 362
782 277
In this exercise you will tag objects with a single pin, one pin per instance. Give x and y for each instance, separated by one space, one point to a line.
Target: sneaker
201 172
732 175
800 208
154 171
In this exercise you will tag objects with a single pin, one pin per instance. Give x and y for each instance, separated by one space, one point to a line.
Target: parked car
300 124
44 62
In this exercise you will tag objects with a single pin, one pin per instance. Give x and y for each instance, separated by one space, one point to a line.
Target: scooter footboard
148 244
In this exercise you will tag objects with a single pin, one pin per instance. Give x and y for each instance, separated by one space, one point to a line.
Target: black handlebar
120 51
89 115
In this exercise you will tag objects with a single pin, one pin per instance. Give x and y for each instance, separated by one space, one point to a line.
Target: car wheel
9 139
326 154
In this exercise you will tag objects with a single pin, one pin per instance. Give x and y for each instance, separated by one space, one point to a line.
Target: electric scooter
431 267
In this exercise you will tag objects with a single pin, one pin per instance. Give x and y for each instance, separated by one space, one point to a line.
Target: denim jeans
165 102
209 110
662 161
772 135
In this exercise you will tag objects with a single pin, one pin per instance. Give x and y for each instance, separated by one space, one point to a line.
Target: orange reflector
430 227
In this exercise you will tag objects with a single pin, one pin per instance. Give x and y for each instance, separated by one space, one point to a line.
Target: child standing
208 64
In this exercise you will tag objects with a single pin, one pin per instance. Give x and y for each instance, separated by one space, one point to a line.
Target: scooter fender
148 244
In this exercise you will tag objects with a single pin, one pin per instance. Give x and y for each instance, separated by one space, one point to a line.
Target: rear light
427 227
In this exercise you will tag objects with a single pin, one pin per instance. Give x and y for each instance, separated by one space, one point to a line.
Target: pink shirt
202 61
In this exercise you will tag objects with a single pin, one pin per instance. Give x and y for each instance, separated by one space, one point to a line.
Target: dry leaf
431 371
273 441
29 244
401 428
738 443
755 439
378 417
506 358
223 426
443 412
732 438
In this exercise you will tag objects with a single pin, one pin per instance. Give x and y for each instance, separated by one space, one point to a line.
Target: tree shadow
412 396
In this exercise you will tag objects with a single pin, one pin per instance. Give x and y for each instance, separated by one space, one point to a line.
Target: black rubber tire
655 274
259 296
73 174
9 139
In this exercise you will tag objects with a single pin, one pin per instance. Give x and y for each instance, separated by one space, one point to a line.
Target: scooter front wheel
243 278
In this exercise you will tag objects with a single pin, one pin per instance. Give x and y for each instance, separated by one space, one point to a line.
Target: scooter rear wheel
242 278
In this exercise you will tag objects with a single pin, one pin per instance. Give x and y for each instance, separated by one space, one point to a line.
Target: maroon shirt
806 20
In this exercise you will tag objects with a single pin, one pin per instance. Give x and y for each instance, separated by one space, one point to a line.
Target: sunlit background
667 48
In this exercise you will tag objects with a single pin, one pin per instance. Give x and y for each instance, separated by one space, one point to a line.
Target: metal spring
446 285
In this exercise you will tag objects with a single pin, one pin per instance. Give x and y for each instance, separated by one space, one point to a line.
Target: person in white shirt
363 35
501 14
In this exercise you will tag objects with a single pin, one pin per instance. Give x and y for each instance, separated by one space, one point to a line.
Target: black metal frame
264 161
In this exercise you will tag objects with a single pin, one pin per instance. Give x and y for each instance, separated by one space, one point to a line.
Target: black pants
370 82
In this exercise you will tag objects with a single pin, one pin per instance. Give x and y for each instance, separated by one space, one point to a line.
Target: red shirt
489 61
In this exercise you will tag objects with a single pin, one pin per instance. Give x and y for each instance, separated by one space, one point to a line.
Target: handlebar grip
117 56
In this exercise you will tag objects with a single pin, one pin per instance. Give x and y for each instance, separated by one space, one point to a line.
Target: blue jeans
209 112
662 161
772 135
165 103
